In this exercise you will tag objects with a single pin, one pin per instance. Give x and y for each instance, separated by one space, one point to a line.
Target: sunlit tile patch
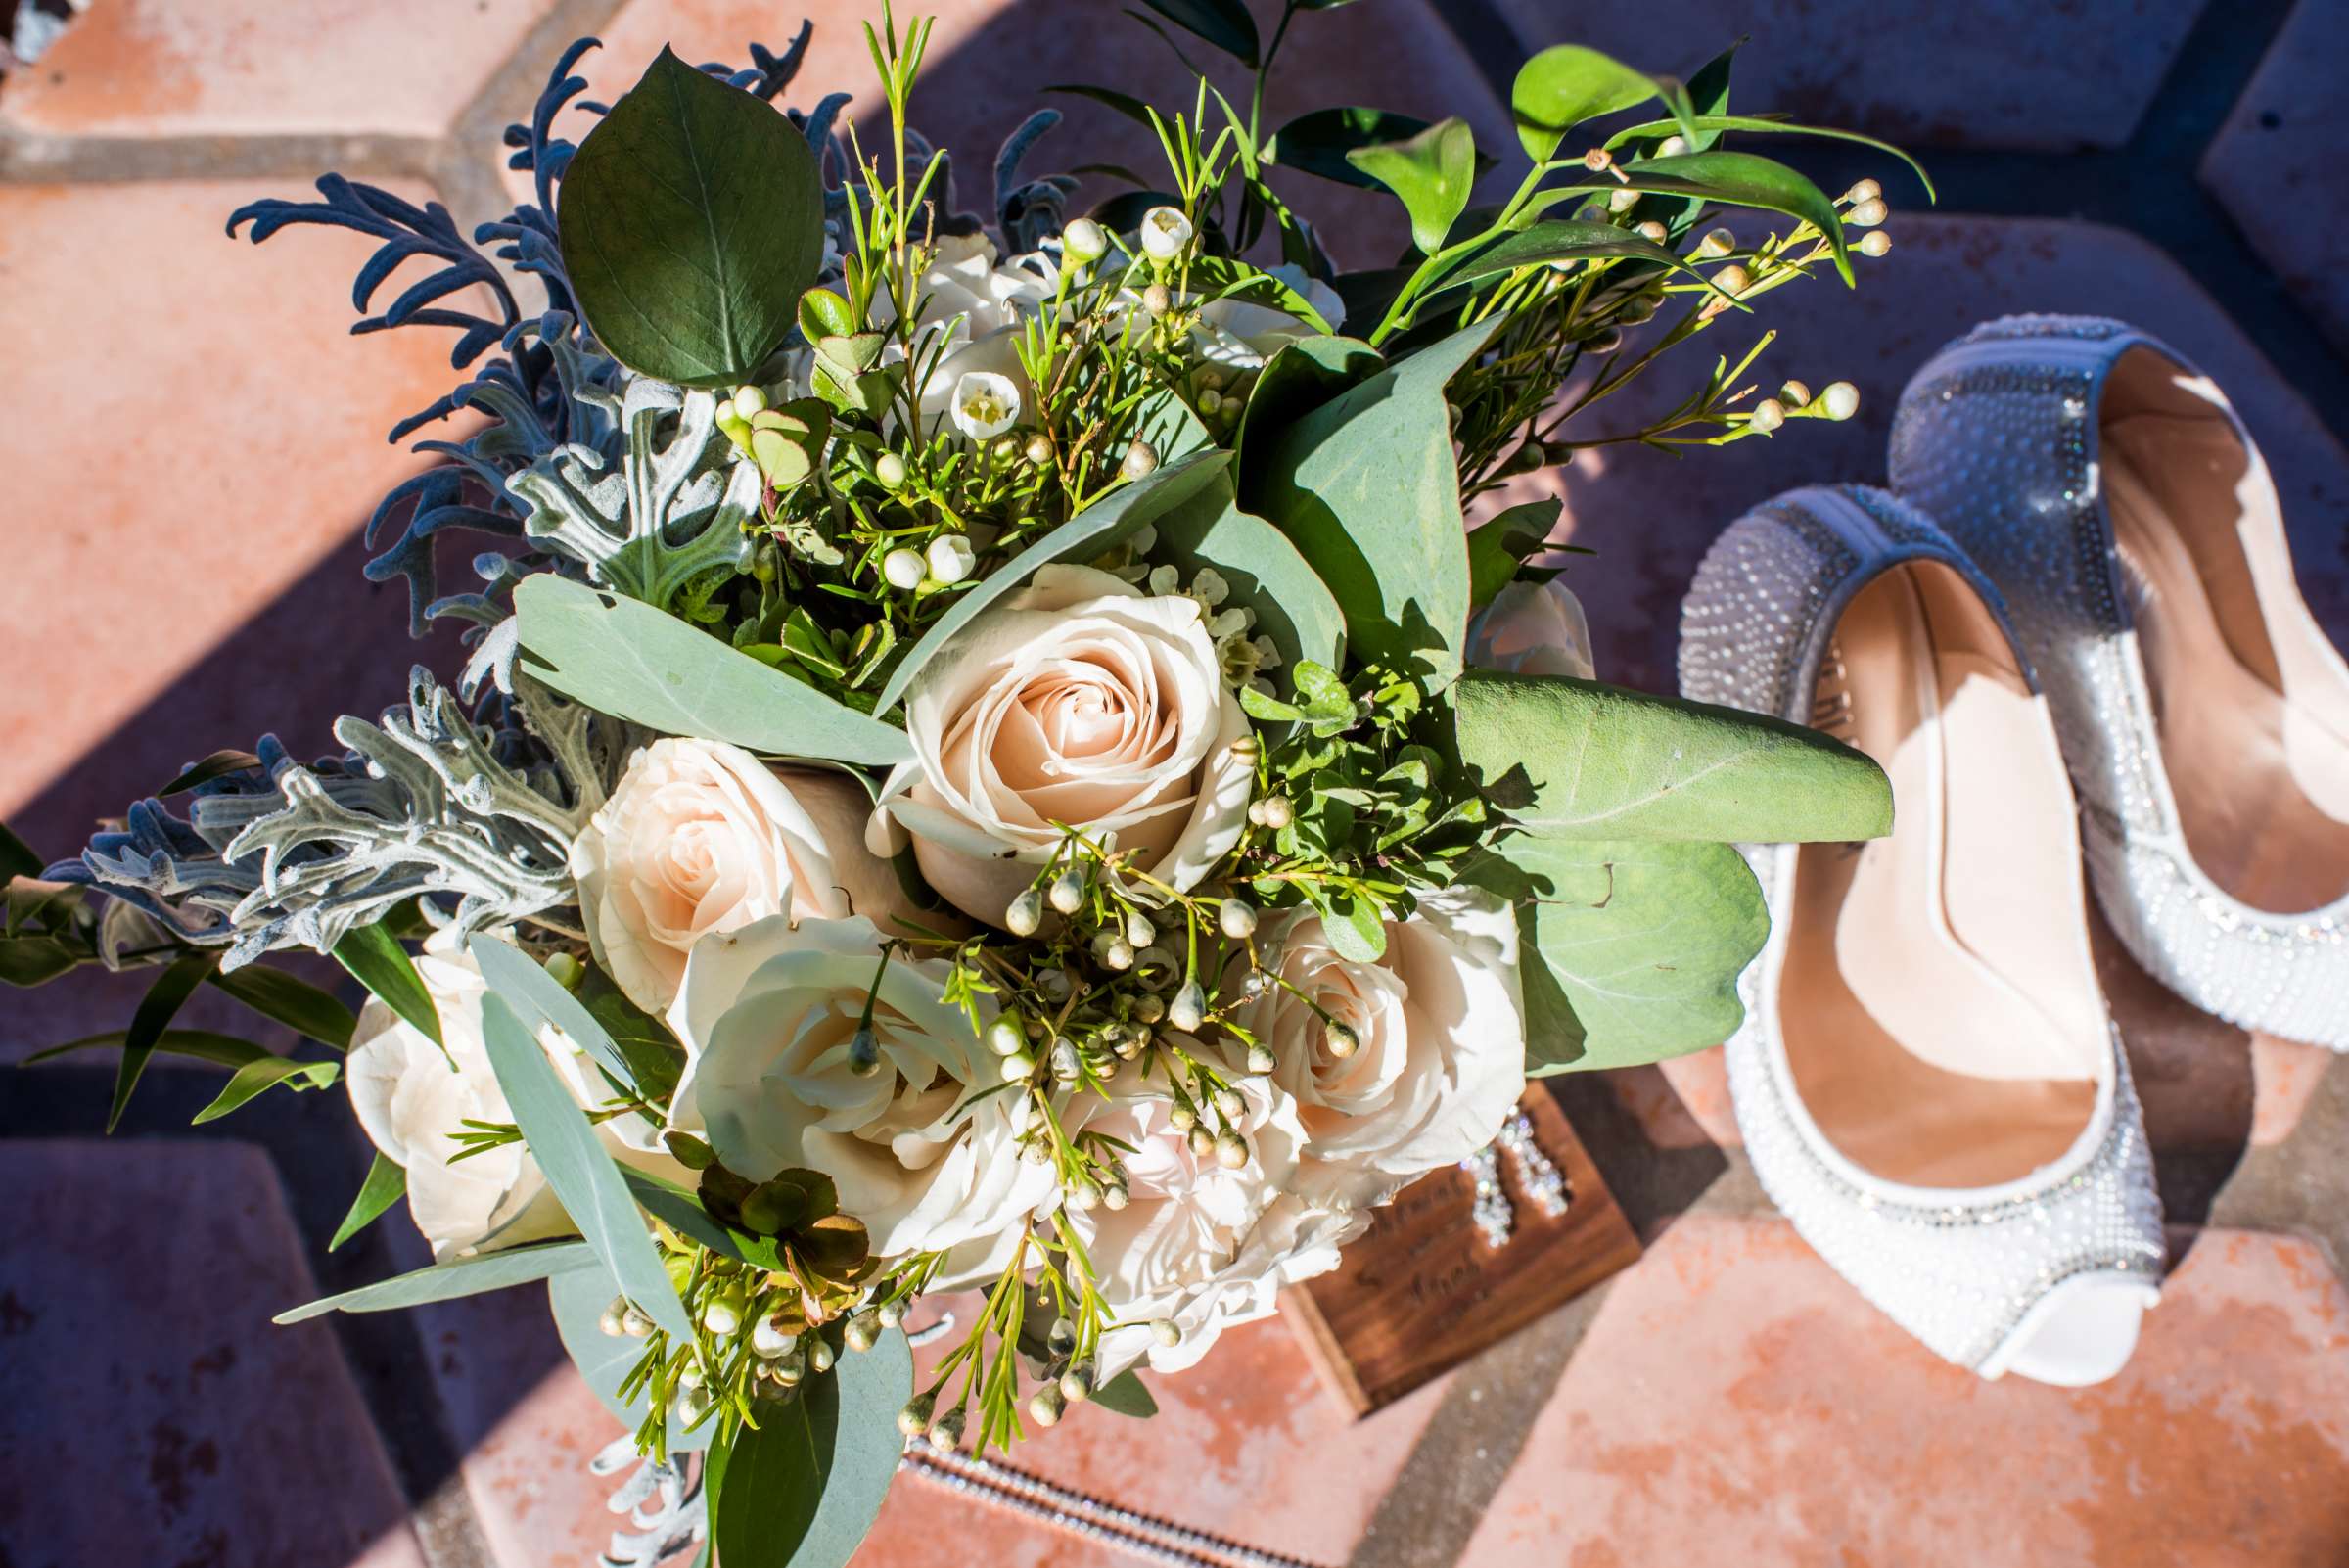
1732 1391
211 68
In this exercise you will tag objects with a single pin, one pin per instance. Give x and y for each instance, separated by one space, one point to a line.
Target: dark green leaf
1123 510
1499 549
1367 489
684 1214
387 1183
633 661
17 857
1125 1395
462 1277
35 958
1714 124
1432 173
1734 179
1125 104
1293 607
375 957
801 1489
290 1000
1559 239
538 998
605 1361
1643 940
256 1076
1225 24
1563 86
1317 143
157 1010
1604 762
692 221
216 765
576 1164
222 1050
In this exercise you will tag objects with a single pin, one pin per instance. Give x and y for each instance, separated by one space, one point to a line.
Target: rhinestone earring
1492 1212
1542 1181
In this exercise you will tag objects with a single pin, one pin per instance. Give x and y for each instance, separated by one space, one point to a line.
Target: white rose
767 1014
1440 1045
971 312
1077 701
1533 628
412 1099
701 836
1242 336
1198 1245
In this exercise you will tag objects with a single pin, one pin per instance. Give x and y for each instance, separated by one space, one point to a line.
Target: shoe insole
1940 1010
2257 754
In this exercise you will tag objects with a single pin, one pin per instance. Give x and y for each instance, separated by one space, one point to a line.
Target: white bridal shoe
1927 1080
2109 490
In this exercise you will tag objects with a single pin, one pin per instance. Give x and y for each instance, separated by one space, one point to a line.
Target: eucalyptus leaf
1123 511
256 1076
386 1184
536 994
1432 173
461 1276
1367 489
1304 375
576 1166
633 661
1293 606
290 1000
1497 549
691 221
1563 86
1643 940
801 1489
1604 762
377 960
1126 1395
161 1004
578 1300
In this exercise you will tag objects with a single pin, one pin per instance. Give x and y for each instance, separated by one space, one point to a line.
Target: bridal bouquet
990 758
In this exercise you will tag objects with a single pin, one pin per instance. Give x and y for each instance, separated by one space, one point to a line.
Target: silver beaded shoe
1928 1079
2109 490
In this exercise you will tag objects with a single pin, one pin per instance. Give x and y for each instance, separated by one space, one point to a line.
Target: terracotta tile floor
1728 1398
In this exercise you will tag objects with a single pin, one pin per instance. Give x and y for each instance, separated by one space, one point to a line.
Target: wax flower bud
1165 233
1083 241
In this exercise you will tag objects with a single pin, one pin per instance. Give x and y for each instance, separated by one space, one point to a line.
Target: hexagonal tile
1731 1389
987 62
222 68
1995 73
211 438
154 1414
2276 164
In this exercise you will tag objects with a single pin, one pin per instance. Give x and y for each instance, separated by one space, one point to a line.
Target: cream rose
702 837
1077 701
1533 628
1198 1245
768 1015
1440 1045
413 1098
1242 336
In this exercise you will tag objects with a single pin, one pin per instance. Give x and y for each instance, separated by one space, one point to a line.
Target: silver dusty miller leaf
423 805
672 512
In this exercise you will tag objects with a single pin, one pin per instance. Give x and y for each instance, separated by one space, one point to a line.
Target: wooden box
1422 1292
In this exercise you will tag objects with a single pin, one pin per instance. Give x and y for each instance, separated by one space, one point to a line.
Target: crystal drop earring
1492 1212
1542 1181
